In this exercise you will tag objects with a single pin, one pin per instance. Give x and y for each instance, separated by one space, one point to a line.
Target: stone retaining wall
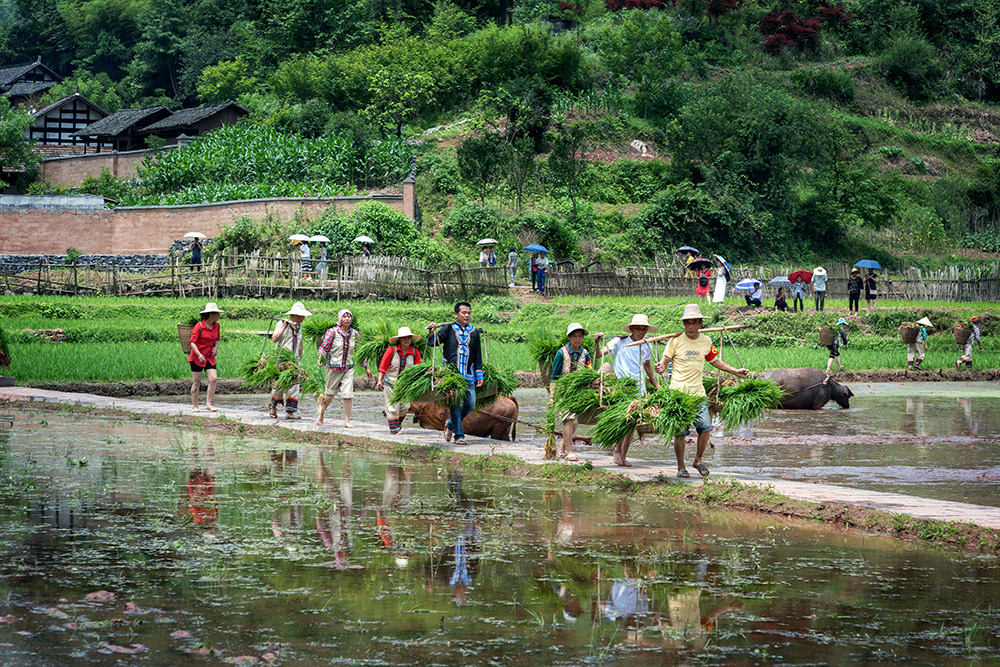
126 263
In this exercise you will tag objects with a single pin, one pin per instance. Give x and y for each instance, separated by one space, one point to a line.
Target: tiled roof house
120 130
194 122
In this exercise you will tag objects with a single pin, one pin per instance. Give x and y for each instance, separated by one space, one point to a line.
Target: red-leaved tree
785 30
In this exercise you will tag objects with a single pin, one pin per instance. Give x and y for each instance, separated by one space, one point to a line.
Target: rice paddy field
125 339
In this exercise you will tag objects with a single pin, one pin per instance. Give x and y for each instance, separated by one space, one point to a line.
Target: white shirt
629 360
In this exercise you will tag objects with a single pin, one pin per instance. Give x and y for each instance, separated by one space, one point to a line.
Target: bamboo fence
257 275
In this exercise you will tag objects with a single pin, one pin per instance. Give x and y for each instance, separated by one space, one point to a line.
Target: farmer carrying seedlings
460 343
394 361
915 351
689 354
288 335
569 358
967 352
631 362
337 349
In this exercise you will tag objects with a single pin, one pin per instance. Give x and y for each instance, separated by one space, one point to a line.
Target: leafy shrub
472 222
393 232
910 63
552 232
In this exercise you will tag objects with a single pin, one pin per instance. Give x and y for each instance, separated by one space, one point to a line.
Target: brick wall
69 171
150 229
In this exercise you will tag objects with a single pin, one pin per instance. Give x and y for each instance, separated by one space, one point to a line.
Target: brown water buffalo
498 421
808 388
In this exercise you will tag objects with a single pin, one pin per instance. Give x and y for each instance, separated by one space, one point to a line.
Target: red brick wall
69 172
143 230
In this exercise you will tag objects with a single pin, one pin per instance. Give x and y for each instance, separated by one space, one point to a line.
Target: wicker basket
825 336
909 332
962 334
184 333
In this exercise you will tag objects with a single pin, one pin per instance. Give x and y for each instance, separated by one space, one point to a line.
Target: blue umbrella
780 281
534 247
869 264
724 262
747 284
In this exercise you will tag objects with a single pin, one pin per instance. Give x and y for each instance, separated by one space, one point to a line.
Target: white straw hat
573 327
212 307
819 271
402 333
692 311
925 322
639 321
299 308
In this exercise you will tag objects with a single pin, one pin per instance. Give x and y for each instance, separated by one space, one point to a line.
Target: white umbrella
487 242
195 235
364 239
298 238
318 238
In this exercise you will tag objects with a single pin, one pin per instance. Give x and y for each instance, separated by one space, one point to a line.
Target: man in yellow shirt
689 352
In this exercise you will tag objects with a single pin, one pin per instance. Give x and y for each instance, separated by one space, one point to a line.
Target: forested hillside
606 130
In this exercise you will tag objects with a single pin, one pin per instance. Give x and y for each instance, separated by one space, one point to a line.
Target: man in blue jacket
460 346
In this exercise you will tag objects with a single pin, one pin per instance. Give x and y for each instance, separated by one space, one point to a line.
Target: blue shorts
702 423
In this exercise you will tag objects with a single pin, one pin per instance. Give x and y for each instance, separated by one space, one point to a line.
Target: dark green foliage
835 85
748 401
911 64
480 162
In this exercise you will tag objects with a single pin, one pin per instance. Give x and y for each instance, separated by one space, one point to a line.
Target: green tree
226 81
104 31
566 160
480 161
641 46
15 147
397 95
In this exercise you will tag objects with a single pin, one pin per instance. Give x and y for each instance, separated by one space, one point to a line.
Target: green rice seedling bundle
496 382
543 348
747 401
580 392
279 367
666 411
313 328
449 386
314 384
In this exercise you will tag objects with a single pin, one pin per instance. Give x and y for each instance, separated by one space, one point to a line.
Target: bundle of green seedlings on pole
414 384
581 392
497 382
280 368
666 411
543 347
748 401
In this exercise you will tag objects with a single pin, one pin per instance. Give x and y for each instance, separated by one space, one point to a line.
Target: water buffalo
498 421
808 388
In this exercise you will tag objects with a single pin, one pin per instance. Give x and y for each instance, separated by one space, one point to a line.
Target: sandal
703 469
561 453
461 443
683 474
571 457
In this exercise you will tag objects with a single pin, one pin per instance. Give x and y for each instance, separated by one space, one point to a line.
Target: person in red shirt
397 357
204 345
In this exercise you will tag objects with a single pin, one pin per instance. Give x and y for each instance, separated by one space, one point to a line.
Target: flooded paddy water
126 541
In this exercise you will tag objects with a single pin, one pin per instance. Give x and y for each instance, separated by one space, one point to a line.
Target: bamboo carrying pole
656 339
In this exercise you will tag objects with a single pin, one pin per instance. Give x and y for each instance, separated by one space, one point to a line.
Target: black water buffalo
808 388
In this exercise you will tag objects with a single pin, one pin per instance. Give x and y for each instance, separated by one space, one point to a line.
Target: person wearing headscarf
915 351
838 337
336 352
288 336
967 352
397 357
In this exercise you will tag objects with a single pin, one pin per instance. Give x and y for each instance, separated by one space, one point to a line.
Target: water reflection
367 559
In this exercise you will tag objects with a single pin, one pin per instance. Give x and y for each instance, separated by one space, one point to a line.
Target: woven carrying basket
825 336
909 333
962 334
184 333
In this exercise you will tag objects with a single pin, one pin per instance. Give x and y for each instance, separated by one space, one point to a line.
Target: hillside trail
522 294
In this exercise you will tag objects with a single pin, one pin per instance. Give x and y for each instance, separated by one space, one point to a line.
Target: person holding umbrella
534 272
915 350
854 285
798 293
703 271
819 287
512 263
755 297
722 278
304 254
542 263
196 255
871 290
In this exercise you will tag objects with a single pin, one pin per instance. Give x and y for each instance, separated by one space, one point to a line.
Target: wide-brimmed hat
855 270
212 307
925 322
299 308
819 271
692 311
841 321
639 320
573 327
402 333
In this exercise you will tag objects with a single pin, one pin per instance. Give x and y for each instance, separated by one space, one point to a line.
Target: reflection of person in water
395 493
333 523
202 506
971 423
458 564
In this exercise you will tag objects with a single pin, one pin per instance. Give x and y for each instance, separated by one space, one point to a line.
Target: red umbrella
807 276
